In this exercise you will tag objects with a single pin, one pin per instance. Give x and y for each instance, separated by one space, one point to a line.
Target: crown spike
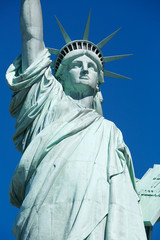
65 35
104 41
114 75
86 30
53 51
113 58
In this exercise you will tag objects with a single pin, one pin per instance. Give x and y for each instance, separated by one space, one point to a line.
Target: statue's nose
85 71
85 67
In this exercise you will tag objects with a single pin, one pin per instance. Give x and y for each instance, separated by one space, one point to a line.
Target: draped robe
75 179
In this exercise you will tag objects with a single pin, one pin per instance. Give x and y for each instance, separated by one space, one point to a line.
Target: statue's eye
91 66
75 65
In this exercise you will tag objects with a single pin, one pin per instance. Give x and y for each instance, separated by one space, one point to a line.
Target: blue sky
133 105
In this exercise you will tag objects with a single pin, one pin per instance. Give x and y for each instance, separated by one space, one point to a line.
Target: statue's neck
86 101
81 98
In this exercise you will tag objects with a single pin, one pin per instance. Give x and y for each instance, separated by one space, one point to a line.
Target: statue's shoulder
111 125
115 132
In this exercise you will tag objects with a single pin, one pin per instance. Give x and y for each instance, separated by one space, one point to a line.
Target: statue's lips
85 77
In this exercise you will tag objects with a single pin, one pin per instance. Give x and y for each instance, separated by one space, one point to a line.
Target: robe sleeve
32 97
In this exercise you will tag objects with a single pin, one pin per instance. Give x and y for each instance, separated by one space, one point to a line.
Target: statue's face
82 75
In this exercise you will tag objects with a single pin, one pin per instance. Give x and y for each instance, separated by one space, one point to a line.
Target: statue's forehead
84 58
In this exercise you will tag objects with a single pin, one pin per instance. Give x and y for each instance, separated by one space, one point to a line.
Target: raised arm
31 25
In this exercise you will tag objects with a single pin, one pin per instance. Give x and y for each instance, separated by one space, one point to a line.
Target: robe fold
75 180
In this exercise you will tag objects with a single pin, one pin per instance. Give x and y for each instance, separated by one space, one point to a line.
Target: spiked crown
84 44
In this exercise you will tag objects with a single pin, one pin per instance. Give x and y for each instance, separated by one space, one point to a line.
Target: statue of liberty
75 180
